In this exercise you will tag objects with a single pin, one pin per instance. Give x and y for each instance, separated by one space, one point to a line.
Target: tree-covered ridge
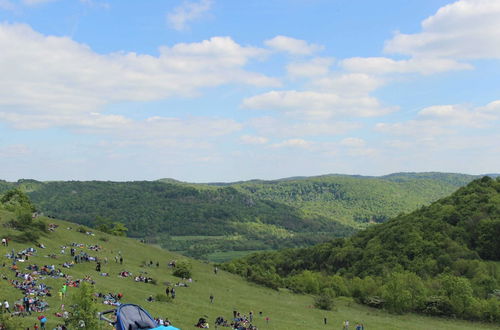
158 211
244 216
356 200
441 259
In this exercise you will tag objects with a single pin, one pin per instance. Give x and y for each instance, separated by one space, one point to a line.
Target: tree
84 308
16 199
324 300
459 292
182 269
119 229
403 292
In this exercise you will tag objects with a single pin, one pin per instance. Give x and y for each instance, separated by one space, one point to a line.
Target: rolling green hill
222 220
442 259
284 309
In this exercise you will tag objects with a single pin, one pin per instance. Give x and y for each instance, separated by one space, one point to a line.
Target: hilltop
441 259
219 221
285 310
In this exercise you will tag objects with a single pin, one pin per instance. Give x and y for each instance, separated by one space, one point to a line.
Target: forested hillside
441 259
221 221
356 200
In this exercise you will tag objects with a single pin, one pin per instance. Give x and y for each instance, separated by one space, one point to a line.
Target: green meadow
284 309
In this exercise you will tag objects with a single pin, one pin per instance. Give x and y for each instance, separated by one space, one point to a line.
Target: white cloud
316 67
270 126
292 45
439 120
62 81
188 12
349 84
353 142
249 139
317 105
293 143
457 115
466 29
384 65
36 2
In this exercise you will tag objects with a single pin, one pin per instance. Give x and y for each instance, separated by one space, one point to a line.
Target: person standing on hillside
6 306
211 298
42 320
167 291
121 260
172 292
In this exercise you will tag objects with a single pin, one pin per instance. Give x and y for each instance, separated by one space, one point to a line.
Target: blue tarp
162 327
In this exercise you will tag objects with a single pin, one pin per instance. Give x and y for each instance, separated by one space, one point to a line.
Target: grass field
285 310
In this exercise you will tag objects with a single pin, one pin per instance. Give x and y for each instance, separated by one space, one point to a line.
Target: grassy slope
286 311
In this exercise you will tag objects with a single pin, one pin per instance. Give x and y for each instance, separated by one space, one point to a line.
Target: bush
436 306
324 300
27 236
163 298
23 220
41 226
182 270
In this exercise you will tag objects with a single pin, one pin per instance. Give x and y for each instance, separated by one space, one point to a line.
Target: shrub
27 236
163 298
324 300
182 269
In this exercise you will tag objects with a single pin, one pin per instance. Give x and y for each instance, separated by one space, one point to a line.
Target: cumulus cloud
438 120
466 29
250 139
316 67
188 12
317 105
348 84
353 142
48 76
384 65
270 126
293 143
292 45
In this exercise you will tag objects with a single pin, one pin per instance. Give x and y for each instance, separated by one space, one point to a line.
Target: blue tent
134 317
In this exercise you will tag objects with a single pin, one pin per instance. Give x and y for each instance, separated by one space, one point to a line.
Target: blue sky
224 90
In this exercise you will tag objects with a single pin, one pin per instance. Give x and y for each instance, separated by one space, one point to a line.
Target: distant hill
442 259
222 220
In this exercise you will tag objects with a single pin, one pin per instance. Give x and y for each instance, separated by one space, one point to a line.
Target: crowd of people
28 278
